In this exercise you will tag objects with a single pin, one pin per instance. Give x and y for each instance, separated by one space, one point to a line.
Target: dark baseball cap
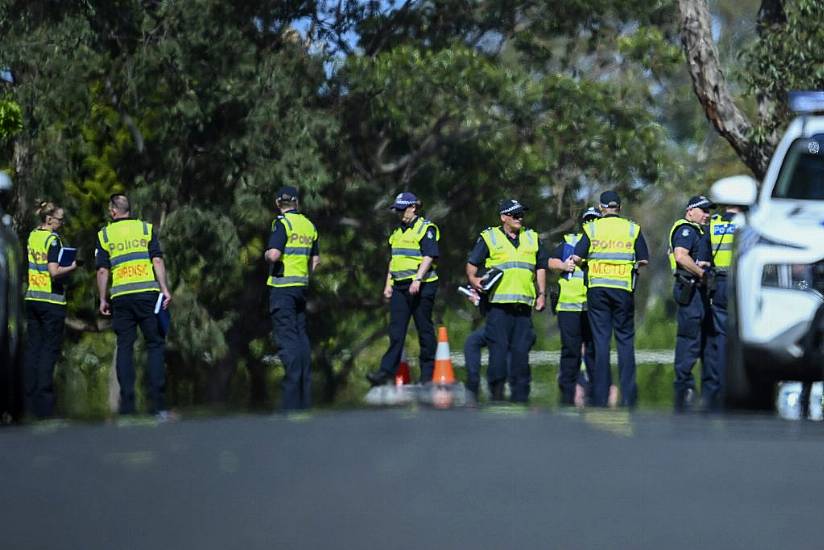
404 200
590 213
610 199
511 206
700 201
287 193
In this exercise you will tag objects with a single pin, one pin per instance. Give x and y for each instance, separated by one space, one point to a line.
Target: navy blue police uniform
287 310
508 333
719 299
612 309
694 322
44 338
575 332
404 306
128 312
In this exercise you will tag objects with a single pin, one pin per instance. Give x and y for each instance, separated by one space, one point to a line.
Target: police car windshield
802 174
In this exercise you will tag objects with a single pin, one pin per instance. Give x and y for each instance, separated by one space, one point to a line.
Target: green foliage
11 119
201 110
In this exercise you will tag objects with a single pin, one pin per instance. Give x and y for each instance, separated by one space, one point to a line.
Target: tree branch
711 87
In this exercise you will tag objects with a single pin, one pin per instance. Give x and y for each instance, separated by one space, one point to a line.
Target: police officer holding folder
128 248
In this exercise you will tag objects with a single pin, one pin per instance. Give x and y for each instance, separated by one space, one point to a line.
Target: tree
785 56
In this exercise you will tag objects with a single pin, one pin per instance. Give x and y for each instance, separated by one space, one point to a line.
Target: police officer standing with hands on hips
518 253
293 255
411 286
689 257
129 249
573 321
614 248
45 309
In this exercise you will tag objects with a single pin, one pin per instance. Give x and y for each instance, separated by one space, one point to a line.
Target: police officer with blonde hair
129 249
613 248
292 253
45 309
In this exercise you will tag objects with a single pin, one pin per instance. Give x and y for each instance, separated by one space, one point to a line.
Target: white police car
776 308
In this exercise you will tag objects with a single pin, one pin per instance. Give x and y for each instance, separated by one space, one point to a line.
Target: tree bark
711 87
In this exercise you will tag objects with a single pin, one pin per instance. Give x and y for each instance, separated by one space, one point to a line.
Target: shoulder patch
685 232
430 234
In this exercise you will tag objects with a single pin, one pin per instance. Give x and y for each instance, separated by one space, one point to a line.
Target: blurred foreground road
488 478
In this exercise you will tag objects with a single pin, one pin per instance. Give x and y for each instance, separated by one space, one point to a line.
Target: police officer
722 237
293 255
129 249
411 286
614 248
571 309
517 252
689 257
45 309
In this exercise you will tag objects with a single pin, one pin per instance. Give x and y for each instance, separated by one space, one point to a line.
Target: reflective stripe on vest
518 265
611 256
40 281
722 237
300 236
670 251
573 295
406 251
127 242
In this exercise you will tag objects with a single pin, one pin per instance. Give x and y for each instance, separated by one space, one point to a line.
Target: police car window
802 174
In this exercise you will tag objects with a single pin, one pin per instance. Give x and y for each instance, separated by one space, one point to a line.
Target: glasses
517 215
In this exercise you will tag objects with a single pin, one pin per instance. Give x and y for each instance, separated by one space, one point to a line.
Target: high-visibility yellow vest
127 242
675 226
518 265
406 251
40 281
611 257
300 235
722 236
573 296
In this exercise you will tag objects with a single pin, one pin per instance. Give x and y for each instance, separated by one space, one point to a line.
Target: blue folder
164 318
66 256
568 250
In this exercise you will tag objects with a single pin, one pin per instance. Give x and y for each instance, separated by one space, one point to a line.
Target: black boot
496 391
378 377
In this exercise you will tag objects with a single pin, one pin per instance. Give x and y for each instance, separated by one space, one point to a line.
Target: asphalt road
488 478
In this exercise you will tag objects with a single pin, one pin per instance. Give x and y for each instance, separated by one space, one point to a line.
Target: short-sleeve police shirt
688 236
480 252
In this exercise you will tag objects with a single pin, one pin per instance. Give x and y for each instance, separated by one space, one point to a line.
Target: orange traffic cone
402 374
443 374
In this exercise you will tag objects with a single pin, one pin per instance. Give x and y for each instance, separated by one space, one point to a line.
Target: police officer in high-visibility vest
722 237
689 257
294 255
571 309
129 249
411 286
45 309
614 248
519 253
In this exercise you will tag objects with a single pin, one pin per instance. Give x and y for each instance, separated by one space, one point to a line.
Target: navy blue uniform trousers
509 334
718 336
472 358
287 308
575 330
44 326
402 307
129 312
612 309
694 331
